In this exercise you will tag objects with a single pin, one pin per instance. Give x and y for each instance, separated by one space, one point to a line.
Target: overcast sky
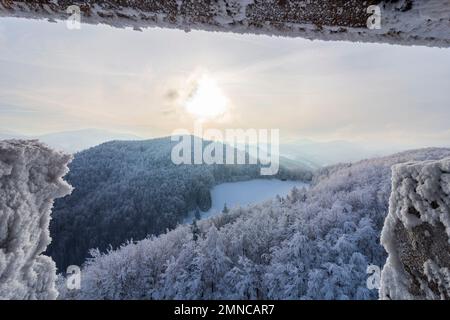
55 79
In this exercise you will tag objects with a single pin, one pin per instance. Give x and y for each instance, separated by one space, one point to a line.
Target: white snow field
245 193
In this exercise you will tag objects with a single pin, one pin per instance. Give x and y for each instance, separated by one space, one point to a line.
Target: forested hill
314 244
131 189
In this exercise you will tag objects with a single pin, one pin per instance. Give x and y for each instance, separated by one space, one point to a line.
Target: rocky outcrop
416 233
407 22
30 179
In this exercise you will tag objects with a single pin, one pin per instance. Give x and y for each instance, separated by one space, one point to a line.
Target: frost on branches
315 243
30 179
416 234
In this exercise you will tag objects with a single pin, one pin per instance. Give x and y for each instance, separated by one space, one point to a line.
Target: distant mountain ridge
330 152
299 152
73 141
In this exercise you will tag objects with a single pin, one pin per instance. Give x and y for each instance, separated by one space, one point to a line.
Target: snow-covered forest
313 244
131 189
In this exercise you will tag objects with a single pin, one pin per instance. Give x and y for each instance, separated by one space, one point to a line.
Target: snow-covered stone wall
30 179
406 22
416 233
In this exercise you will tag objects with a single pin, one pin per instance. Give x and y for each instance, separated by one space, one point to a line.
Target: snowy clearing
245 193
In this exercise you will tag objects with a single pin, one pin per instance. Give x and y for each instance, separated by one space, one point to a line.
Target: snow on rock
416 233
406 22
30 179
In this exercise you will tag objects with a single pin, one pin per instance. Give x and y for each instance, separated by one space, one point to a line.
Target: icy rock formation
30 179
416 233
406 22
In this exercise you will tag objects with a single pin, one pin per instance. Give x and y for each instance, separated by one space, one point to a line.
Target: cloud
168 111
172 95
323 90
13 109
2 37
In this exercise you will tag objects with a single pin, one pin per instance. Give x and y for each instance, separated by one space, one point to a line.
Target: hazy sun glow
207 100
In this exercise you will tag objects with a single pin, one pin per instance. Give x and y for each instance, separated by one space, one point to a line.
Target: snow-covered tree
225 208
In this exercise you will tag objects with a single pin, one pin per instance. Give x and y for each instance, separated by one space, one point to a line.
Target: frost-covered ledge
406 22
30 179
416 233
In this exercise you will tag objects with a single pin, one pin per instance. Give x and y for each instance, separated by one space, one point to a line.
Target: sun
207 101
